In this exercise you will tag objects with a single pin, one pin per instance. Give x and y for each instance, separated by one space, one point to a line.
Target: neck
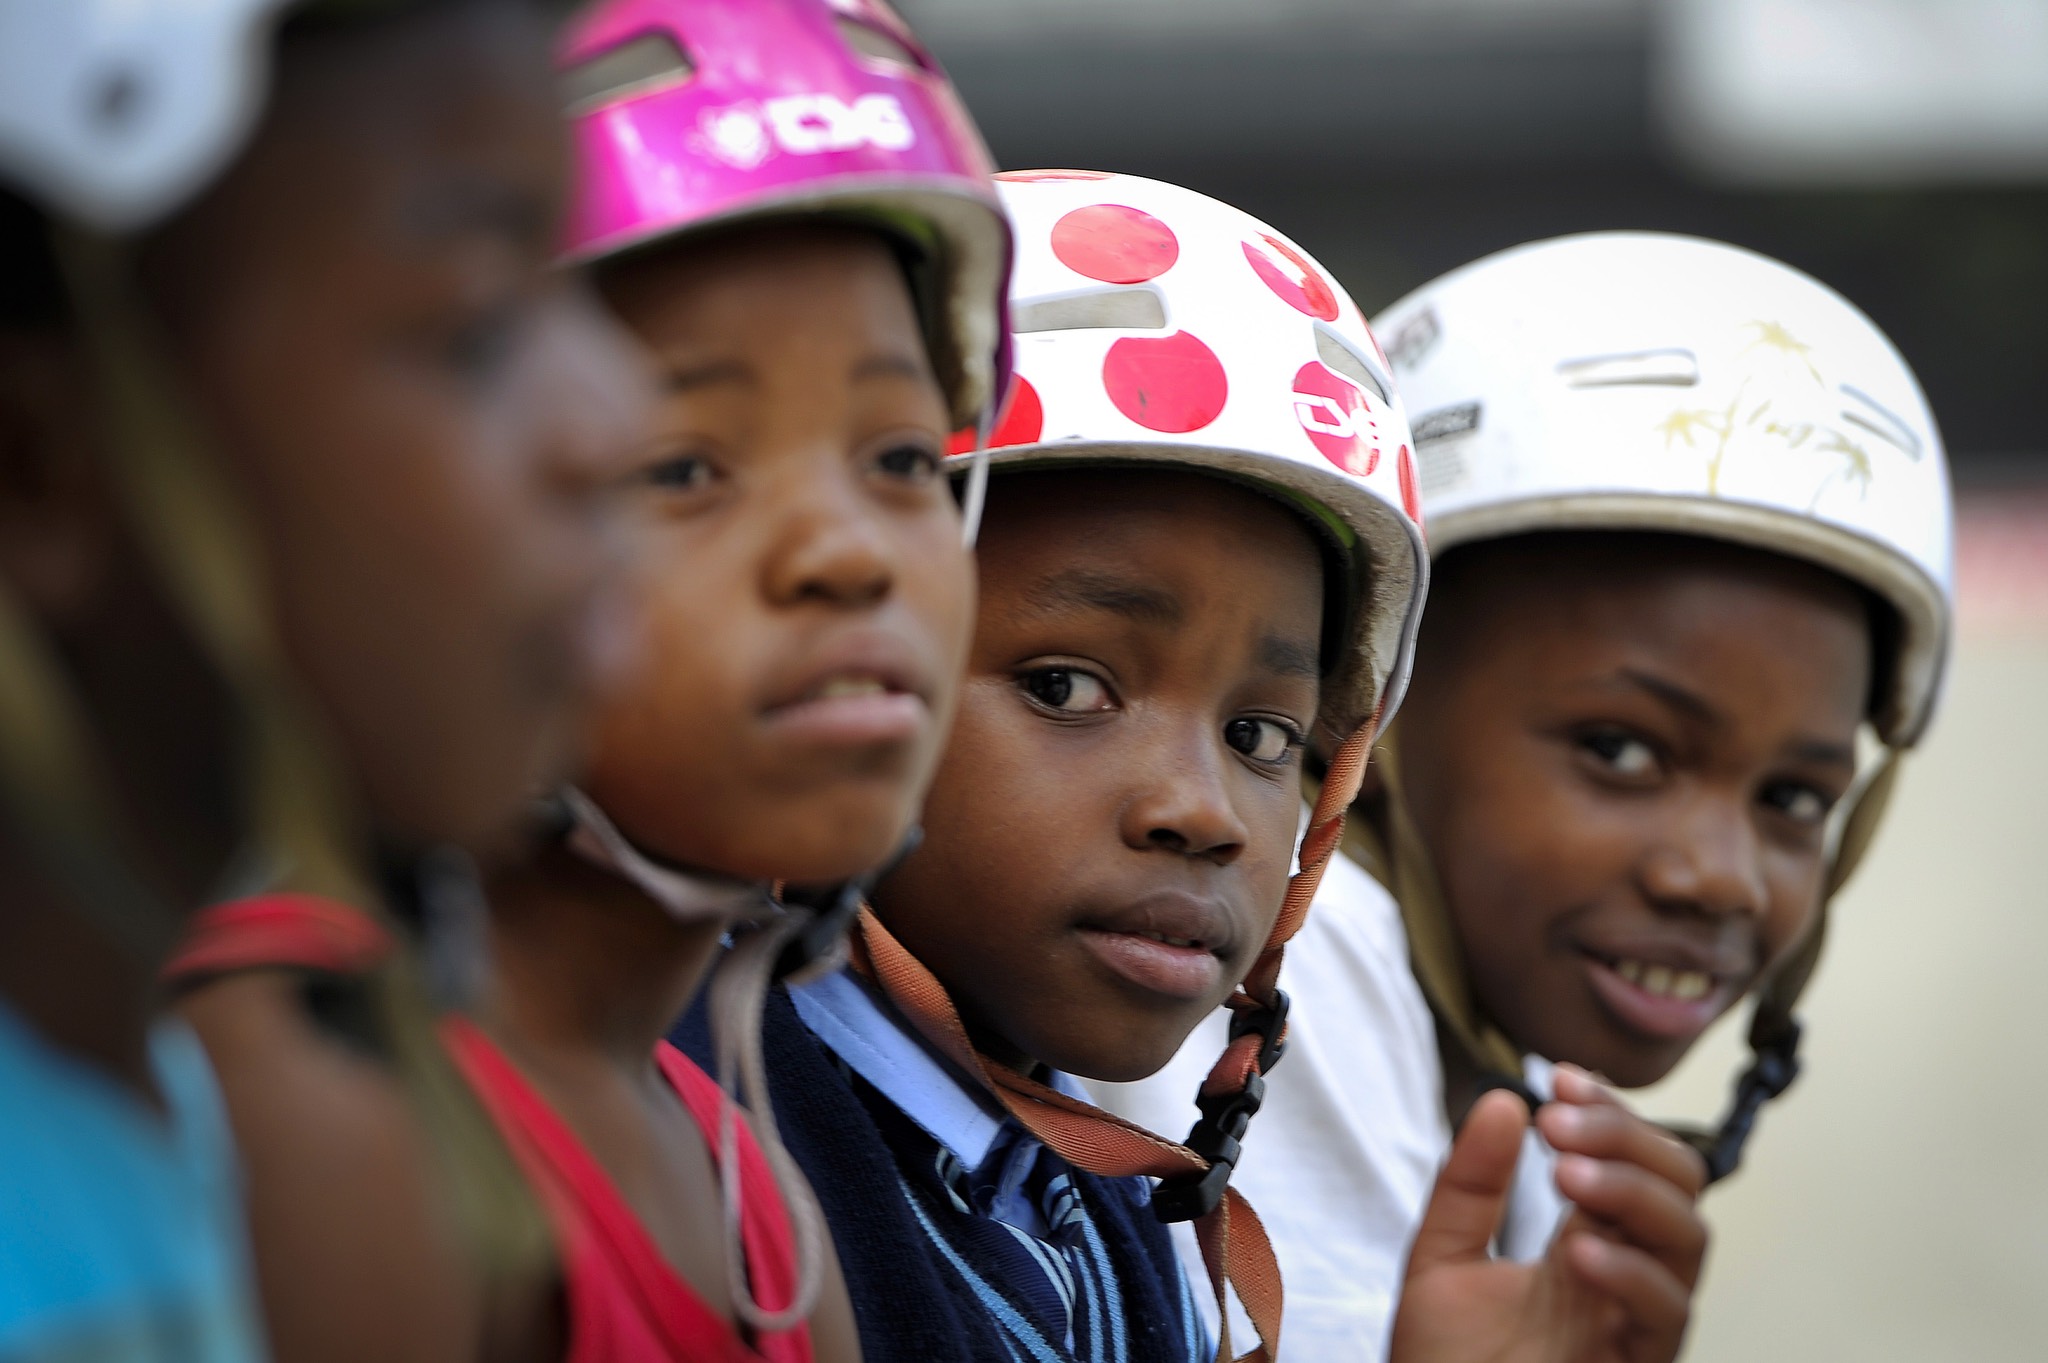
81 993
1462 1076
585 966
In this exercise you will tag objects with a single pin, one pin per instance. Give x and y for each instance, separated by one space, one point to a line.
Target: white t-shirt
1341 1158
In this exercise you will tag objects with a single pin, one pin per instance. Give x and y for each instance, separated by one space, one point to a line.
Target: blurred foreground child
301 543
1202 553
1690 523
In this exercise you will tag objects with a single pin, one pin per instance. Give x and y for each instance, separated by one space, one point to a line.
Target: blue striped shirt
1005 1216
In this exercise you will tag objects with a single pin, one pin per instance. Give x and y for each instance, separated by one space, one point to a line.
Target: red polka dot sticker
1171 383
1411 496
1337 416
1021 423
1114 243
1288 273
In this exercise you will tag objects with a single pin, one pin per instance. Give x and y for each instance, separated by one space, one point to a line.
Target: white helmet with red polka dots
1156 325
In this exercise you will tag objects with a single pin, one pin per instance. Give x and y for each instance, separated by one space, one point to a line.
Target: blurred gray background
1896 1203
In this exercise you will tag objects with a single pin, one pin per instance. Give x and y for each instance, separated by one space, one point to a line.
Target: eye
1262 740
913 461
1622 753
1067 690
481 348
1798 802
679 473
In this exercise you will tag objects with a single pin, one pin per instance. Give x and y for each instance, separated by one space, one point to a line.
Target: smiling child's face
808 598
1621 751
1110 834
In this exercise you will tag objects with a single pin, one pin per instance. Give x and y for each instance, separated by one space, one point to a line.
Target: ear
57 522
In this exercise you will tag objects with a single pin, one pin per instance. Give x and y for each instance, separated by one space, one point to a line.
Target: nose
1711 860
831 547
1181 801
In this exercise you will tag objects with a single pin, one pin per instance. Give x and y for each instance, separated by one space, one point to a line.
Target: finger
1576 1085
1471 1192
1608 1131
1657 1305
1645 1210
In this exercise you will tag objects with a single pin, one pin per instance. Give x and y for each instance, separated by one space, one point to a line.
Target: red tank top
626 1305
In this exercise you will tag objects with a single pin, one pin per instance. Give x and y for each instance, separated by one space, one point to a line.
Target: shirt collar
880 1045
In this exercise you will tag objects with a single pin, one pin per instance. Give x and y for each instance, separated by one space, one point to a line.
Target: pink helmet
690 114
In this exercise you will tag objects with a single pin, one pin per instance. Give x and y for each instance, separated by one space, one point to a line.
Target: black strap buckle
833 909
1770 1073
1219 1135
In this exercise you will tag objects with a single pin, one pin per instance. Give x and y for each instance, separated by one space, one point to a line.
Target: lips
860 690
1670 992
1174 945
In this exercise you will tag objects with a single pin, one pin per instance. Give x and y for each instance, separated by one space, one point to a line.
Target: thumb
1471 1192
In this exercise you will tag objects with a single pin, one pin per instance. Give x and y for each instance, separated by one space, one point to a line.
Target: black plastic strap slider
1218 1137
1270 1023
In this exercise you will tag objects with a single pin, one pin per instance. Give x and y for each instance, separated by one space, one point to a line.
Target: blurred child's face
427 419
1109 838
1621 751
809 601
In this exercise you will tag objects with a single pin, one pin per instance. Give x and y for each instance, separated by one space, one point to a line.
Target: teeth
841 687
1169 941
1665 982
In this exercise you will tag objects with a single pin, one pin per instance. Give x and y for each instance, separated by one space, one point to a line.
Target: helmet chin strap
976 495
686 896
792 937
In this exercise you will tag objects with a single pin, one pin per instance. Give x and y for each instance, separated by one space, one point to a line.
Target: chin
1132 1056
830 848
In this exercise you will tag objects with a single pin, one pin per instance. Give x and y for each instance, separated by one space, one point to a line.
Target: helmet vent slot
1644 368
651 61
875 45
1879 421
1336 355
1117 309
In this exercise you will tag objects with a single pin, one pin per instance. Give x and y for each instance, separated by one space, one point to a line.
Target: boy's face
809 601
1109 838
427 419
1621 751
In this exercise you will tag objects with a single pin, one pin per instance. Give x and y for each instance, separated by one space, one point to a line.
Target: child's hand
1616 1286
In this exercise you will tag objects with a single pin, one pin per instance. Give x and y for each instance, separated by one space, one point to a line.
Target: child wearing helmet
1202 554
303 547
784 202
1691 528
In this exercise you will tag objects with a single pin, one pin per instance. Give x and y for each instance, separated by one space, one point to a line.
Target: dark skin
1127 760
1622 751
426 423
1144 668
807 609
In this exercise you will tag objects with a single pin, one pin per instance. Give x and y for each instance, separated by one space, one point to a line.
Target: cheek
1271 820
1522 842
1794 885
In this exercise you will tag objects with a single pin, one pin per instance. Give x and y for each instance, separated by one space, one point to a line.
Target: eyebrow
1676 697
456 206
1819 751
684 378
1087 589
1290 657
891 366
1822 753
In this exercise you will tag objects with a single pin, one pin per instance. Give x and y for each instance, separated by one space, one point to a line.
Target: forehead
765 283
1191 533
1730 617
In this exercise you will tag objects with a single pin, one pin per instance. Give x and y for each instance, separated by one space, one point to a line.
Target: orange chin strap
1234 1244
